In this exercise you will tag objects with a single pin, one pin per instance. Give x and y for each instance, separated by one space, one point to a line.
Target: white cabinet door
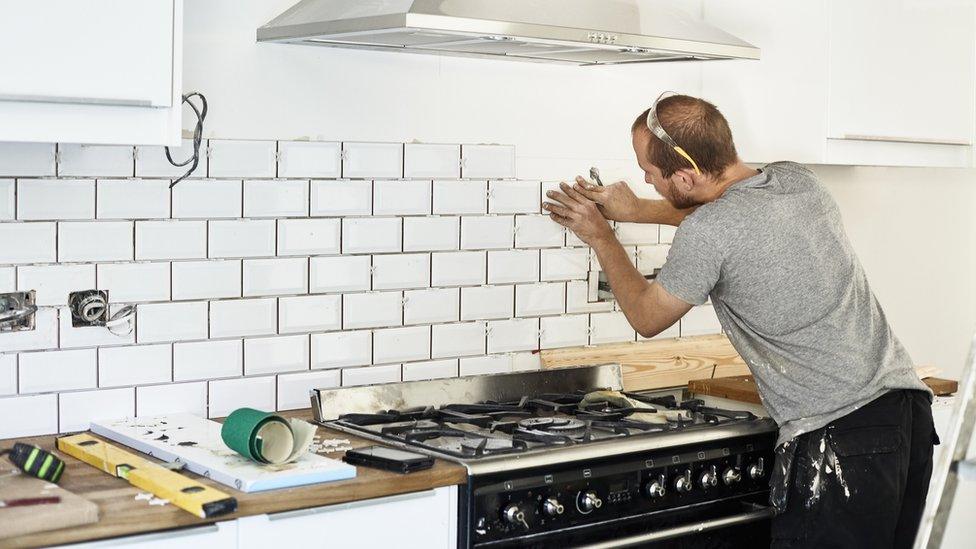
421 520
775 106
222 535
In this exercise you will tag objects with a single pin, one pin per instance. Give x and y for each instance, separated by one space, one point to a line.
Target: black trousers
861 481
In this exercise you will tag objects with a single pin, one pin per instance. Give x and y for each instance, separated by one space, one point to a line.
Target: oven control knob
709 478
731 476
514 515
756 470
589 501
552 507
683 483
656 489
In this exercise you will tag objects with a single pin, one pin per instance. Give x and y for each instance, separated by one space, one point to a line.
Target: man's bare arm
618 202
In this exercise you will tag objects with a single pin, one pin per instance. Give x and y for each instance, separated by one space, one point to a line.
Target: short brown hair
696 126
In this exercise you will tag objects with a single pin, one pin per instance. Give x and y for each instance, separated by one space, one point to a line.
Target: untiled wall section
283 266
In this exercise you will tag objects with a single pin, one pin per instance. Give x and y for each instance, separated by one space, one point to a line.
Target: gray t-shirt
790 293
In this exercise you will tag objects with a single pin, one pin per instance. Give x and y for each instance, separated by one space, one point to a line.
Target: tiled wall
283 266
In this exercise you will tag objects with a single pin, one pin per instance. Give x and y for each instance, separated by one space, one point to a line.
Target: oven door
728 524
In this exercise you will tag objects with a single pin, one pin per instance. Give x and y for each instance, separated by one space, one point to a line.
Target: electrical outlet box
88 308
598 285
17 311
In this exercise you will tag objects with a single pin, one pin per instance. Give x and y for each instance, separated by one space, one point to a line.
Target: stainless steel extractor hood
581 32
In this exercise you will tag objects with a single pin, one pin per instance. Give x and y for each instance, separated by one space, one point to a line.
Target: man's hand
579 214
617 201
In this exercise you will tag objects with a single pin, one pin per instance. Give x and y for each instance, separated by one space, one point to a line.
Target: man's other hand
579 214
616 201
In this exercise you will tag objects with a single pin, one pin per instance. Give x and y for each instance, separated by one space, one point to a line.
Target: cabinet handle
351 505
898 139
79 100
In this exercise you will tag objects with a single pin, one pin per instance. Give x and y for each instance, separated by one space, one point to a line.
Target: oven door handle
757 513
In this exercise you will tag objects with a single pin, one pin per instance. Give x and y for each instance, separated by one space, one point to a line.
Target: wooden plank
655 364
743 388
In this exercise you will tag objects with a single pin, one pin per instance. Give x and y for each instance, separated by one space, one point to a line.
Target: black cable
197 137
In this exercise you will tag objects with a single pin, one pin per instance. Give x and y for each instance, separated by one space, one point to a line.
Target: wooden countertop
743 388
122 515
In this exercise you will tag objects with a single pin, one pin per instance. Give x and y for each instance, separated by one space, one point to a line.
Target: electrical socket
88 308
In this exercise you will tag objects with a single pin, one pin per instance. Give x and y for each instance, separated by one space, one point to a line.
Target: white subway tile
610 328
372 160
371 375
50 199
650 258
700 320
431 369
208 360
275 198
91 336
564 331
78 410
340 274
666 234
275 276
461 197
577 299
171 239
243 317
339 349
547 298
565 264
128 282
293 389
507 266
151 160
517 334
101 160
48 371
27 416
171 321
366 235
232 158
8 374
372 310
227 395
28 242
242 238
136 365
309 159
207 198
458 269
426 160
173 398
482 365
509 197
27 159
401 344
488 232
53 283
206 279
453 340
267 355
95 241
429 306
334 198
427 234
487 302
309 236
538 231
309 313
133 199
401 198
637 233
8 199
488 161
43 336
526 361
401 271
8 279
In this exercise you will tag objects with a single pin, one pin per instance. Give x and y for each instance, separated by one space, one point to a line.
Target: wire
197 137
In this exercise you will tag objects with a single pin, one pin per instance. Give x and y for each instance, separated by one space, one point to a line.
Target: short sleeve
693 267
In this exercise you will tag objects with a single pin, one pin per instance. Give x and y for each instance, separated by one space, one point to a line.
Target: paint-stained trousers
861 481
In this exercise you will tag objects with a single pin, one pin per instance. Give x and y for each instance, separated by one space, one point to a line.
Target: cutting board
73 510
743 388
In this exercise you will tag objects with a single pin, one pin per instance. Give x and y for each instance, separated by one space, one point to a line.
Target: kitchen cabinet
871 82
222 535
91 71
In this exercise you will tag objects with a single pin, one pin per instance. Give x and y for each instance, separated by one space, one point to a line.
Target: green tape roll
260 436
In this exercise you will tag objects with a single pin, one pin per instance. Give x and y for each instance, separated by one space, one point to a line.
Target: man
768 248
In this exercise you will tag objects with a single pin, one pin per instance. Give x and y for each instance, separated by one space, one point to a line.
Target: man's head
702 132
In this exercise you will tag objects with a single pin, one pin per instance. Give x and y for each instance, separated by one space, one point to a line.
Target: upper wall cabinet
91 71
871 82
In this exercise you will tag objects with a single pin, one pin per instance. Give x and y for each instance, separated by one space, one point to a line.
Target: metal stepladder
952 466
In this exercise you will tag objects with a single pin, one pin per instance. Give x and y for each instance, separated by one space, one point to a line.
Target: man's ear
685 180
